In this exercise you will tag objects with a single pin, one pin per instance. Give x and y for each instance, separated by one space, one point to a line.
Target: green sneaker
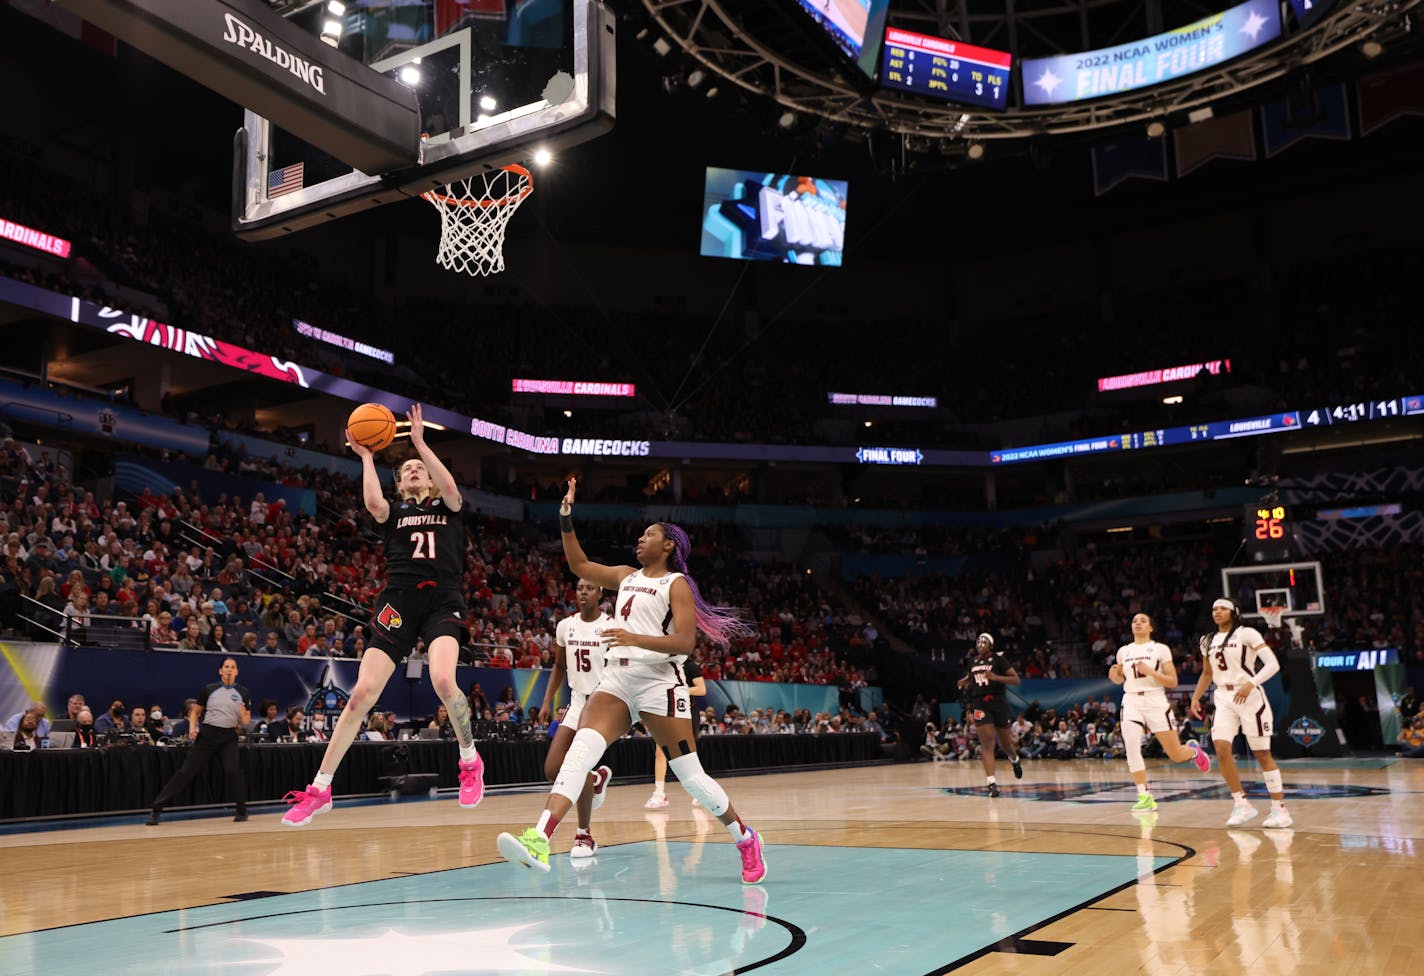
530 849
1144 802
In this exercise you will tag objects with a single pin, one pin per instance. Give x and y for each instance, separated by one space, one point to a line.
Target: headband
1224 604
988 638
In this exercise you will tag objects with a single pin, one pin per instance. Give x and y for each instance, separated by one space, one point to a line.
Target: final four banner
1198 46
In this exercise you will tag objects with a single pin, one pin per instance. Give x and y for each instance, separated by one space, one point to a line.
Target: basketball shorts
403 616
1149 711
647 688
1253 717
577 700
994 712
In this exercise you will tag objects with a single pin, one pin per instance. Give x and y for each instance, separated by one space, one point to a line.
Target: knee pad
1132 743
1273 781
584 752
702 788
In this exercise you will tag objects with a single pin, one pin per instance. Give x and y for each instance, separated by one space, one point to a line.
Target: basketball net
473 215
1274 616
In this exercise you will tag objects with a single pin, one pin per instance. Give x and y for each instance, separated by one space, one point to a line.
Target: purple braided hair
721 624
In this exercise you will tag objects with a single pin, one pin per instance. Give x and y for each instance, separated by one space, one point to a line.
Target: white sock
469 753
1239 797
659 789
735 829
990 779
322 781
1278 805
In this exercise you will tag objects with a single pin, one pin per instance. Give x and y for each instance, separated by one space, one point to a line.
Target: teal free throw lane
659 909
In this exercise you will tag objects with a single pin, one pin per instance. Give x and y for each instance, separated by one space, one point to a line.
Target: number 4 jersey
425 542
584 650
645 607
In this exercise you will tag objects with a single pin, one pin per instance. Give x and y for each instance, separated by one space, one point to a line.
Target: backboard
1299 587
495 80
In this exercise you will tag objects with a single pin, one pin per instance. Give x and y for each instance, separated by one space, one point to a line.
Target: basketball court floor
904 870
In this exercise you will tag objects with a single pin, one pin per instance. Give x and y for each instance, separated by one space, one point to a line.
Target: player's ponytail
721 624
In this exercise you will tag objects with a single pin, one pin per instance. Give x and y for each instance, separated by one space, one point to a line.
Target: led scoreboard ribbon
942 68
1344 413
1352 413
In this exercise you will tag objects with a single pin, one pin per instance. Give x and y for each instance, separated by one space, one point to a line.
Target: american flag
284 180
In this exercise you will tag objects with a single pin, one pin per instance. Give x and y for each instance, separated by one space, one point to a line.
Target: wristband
566 522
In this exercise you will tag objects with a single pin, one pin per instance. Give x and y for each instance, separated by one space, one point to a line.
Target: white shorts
1149 711
646 688
1252 716
577 700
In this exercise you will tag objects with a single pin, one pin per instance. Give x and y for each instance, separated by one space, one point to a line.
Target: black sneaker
152 820
993 789
241 817
1018 768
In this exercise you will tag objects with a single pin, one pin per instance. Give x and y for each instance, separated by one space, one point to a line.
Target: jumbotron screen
752 216
856 27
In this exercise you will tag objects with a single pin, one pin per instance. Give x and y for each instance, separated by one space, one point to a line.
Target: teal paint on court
642 908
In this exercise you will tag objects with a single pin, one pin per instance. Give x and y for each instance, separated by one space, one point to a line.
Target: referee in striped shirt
213 722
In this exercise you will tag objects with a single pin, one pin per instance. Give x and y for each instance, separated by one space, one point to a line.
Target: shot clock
1269 530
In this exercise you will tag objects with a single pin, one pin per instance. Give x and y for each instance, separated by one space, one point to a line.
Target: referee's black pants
212 740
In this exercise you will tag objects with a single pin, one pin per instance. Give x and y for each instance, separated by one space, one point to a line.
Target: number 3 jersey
645 607
584 650
425 542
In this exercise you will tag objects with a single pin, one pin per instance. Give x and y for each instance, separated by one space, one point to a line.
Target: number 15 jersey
645 607
584 650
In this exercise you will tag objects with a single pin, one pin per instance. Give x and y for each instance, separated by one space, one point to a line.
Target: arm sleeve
1268 665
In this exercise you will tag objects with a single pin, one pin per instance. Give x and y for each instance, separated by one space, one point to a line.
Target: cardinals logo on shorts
978 715
388 618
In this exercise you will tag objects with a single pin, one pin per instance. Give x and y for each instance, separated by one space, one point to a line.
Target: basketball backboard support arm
243 51
572 108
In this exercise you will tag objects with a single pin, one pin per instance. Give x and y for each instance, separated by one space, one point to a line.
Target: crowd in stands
203 281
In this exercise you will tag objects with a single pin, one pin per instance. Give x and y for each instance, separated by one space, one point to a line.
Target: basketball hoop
1274 616
473 215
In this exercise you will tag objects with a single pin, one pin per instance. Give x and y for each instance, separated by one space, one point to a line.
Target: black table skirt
55 782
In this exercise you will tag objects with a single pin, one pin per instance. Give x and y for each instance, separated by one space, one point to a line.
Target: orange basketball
372 426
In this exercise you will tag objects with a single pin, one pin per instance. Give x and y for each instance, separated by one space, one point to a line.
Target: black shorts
995 711
402 616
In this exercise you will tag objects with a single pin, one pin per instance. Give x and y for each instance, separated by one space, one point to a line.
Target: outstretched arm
371 493
608 577
440 475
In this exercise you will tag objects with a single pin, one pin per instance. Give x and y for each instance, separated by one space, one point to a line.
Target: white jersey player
580 659
656 619
1145 670
1230 658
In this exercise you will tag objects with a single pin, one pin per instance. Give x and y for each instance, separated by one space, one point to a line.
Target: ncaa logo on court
1306 731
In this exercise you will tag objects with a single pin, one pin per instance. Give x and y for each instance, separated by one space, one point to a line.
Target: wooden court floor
901 869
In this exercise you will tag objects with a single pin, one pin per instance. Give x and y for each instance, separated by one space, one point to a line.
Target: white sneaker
1242 813
1279 819
656 802
601 776
584 845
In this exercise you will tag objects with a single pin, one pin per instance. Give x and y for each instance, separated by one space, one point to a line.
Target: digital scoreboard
945 69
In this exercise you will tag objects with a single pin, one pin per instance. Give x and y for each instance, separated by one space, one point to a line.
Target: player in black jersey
987 706
425 557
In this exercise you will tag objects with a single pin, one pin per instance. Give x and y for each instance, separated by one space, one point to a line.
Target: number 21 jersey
583 649
425 541
645 607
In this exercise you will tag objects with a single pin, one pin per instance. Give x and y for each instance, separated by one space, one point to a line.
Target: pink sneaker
472 782
1201 759
656 802
601 776
753 864
306 804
